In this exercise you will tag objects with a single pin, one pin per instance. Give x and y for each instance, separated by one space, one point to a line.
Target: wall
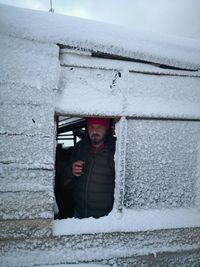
32 84
29 74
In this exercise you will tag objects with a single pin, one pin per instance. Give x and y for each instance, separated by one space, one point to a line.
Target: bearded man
92 170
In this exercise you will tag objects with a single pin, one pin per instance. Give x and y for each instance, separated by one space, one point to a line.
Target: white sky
176 17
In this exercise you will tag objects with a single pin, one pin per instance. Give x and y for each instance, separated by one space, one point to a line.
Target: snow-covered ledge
74 265
130 221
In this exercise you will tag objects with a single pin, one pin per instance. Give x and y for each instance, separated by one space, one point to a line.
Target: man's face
96 133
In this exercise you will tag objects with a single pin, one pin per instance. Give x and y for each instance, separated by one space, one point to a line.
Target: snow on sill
130 221
74 265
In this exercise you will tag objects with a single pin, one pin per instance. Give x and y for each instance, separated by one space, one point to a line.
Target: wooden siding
20 229
27 136
127 89
27 158
122 248
26 205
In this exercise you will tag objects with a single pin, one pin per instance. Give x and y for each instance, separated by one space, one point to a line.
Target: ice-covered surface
77 58
34 228
95 36
15 179
130 221
21 149
162 164
162 96
118 92
32 120
29 75
26 205
120 163
29 63
75 265
90 90
115 249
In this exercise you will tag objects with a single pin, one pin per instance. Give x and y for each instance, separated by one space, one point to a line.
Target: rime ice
53 64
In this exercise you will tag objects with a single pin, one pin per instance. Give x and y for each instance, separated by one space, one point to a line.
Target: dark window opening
70 131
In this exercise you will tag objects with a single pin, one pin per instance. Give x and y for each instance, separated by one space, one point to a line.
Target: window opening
69 130
89 184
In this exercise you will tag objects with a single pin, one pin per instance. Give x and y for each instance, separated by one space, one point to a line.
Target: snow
31 77
161 164
130 221
133 94
94 36
32 64
78 58
78 84
74 265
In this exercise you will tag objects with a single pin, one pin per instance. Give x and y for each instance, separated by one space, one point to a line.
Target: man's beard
96 139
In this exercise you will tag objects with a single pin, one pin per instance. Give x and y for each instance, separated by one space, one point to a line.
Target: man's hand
77 167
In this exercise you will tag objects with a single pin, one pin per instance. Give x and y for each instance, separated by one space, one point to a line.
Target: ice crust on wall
95 36
32 120
29 74
163 96
116 93
29 63
161 164
103 247
26 204
90 90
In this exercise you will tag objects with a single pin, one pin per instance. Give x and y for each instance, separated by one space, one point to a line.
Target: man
92 170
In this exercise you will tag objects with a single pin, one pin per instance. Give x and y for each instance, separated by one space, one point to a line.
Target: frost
161 164
75 265
131 221
165 97
95 36
157 161
33 120
78 84
26 205
133 94
37 64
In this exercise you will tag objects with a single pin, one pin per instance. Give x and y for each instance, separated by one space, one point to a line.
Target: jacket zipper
87 183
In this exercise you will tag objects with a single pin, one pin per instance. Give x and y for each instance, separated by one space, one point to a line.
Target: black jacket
93 191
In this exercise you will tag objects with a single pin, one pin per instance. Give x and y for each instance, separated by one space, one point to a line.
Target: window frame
120 127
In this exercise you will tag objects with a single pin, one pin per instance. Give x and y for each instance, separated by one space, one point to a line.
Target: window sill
130 221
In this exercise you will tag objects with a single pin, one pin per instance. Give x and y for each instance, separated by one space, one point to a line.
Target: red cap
101 121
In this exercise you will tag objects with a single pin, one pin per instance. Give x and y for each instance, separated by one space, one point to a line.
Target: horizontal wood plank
14 229
121 247
26 205
21 93
13 178
27 120
31 150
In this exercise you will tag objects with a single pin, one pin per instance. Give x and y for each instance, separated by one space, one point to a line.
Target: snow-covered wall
29 74
162 162
156 218
130 89
99 37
